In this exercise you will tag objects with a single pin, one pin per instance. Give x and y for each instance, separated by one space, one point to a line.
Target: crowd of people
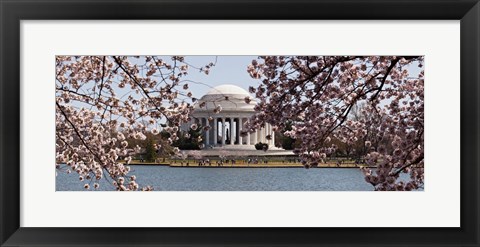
256 161
222 162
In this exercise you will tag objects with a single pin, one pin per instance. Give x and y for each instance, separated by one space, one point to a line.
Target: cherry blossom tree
318 93
103 100
196 155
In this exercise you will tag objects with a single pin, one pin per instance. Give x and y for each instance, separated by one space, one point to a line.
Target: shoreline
320 167
241 166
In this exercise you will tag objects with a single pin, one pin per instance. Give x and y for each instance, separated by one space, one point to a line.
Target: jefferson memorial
226 125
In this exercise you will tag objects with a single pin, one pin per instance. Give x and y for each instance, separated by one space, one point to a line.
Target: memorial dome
225 126
229 97
227 89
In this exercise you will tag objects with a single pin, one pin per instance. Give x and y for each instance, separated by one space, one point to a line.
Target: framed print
239 123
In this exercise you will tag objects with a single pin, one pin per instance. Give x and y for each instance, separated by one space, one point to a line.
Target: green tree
261 146
286 142
150 152
189 140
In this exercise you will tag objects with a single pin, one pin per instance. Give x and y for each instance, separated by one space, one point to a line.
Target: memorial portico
225 127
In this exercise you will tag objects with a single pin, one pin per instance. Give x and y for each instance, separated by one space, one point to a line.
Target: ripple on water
164 178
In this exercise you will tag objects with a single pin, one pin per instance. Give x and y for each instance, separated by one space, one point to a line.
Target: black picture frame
13 11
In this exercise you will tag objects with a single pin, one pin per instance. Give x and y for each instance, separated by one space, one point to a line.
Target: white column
268 133
215 132
260 134
224 132
255 137
265 134
207 135
240 138
237 137
231 131
273 138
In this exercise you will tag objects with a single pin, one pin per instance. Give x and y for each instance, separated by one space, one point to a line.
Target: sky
228 70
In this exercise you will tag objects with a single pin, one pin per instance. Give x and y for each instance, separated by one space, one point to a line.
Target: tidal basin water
164 178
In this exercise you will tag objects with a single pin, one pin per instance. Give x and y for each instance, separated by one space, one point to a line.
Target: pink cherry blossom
375 100
103 100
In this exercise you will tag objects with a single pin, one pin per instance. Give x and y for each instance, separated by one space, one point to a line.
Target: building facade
225 126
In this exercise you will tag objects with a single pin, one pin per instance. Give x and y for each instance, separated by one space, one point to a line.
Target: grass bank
242 164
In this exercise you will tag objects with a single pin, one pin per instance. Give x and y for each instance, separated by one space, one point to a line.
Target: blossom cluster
103 100
319 94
